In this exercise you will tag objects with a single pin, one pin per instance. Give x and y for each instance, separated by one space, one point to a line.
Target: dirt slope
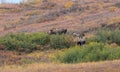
82 15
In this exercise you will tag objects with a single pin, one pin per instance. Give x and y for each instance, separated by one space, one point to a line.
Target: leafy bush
25 41
60 41
91 52
107 36
103 36
116 37
40 38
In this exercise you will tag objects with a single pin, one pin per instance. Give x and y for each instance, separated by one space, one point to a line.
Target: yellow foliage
68 17
113 20
33 13
69 4
113 9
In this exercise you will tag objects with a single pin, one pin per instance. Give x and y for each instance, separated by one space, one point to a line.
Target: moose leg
79 43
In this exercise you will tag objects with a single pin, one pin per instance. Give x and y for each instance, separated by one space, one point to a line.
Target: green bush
40 38
116 37
60 41
31 41
89 53
25 41
107 36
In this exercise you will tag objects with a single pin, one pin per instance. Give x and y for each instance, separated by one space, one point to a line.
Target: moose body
79 39
57 31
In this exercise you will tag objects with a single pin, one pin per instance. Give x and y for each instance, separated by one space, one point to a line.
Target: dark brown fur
57 31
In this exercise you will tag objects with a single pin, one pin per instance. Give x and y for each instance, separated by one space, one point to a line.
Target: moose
79 38
57 31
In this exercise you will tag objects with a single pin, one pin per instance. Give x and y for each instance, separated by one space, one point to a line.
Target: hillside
81 16
27 46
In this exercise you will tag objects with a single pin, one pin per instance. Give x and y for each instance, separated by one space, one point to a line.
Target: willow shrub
89 53
61 41
107 36
25 41
31 41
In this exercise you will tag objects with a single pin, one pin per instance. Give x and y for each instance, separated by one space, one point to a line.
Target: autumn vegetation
26 46
98 48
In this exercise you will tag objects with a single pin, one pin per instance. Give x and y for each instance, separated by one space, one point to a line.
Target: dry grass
68 4
113 9
113 20
55 13
21 58
35 1
33 12
108 66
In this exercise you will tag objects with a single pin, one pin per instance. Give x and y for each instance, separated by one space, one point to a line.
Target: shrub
116 37
40 38
107 36
103 36
30 42
60 41
91 52
25 41
13 42
68 4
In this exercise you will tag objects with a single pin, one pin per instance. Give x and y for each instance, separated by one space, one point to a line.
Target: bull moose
80 38
57 31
